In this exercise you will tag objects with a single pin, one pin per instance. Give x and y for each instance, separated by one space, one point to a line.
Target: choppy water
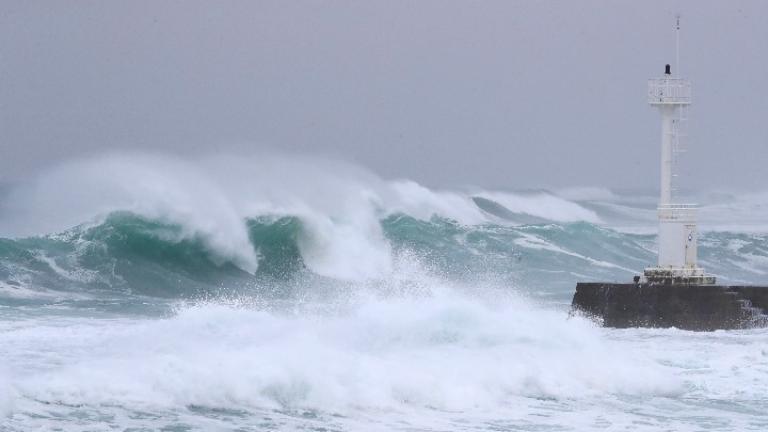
144 293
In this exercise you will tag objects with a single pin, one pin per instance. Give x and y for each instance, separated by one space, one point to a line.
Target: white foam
542 205
446 351
77 275
420 355
7 394
353 249
531 241
418 201
23 291
339 205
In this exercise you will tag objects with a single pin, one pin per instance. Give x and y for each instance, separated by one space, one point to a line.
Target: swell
133 255
130 254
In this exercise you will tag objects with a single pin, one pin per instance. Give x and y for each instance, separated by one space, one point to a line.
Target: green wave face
129 255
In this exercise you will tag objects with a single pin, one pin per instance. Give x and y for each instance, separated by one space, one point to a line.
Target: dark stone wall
689 307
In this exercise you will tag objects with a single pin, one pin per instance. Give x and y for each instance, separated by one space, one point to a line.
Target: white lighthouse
677 222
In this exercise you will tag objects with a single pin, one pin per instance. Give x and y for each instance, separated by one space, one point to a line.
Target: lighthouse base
677 275
688 306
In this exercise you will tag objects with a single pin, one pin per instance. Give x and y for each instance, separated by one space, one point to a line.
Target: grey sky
501 94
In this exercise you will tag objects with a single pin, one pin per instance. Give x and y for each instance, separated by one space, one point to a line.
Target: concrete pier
684 306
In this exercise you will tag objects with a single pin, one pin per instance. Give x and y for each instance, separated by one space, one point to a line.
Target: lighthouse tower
677 222
675 292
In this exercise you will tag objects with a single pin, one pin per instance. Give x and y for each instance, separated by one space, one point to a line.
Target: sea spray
279 293
444 351
336 202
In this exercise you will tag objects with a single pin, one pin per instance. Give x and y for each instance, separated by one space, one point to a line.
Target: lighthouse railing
678 212
672 91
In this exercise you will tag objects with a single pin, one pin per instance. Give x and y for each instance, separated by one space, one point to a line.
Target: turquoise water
384 307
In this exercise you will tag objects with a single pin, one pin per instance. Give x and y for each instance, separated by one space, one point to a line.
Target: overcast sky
508 94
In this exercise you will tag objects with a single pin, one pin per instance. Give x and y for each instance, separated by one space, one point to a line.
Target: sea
144 292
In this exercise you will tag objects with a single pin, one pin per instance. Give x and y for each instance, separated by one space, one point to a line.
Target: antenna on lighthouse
677 47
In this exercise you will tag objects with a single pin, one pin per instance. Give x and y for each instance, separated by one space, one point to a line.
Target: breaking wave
144 292
156 226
